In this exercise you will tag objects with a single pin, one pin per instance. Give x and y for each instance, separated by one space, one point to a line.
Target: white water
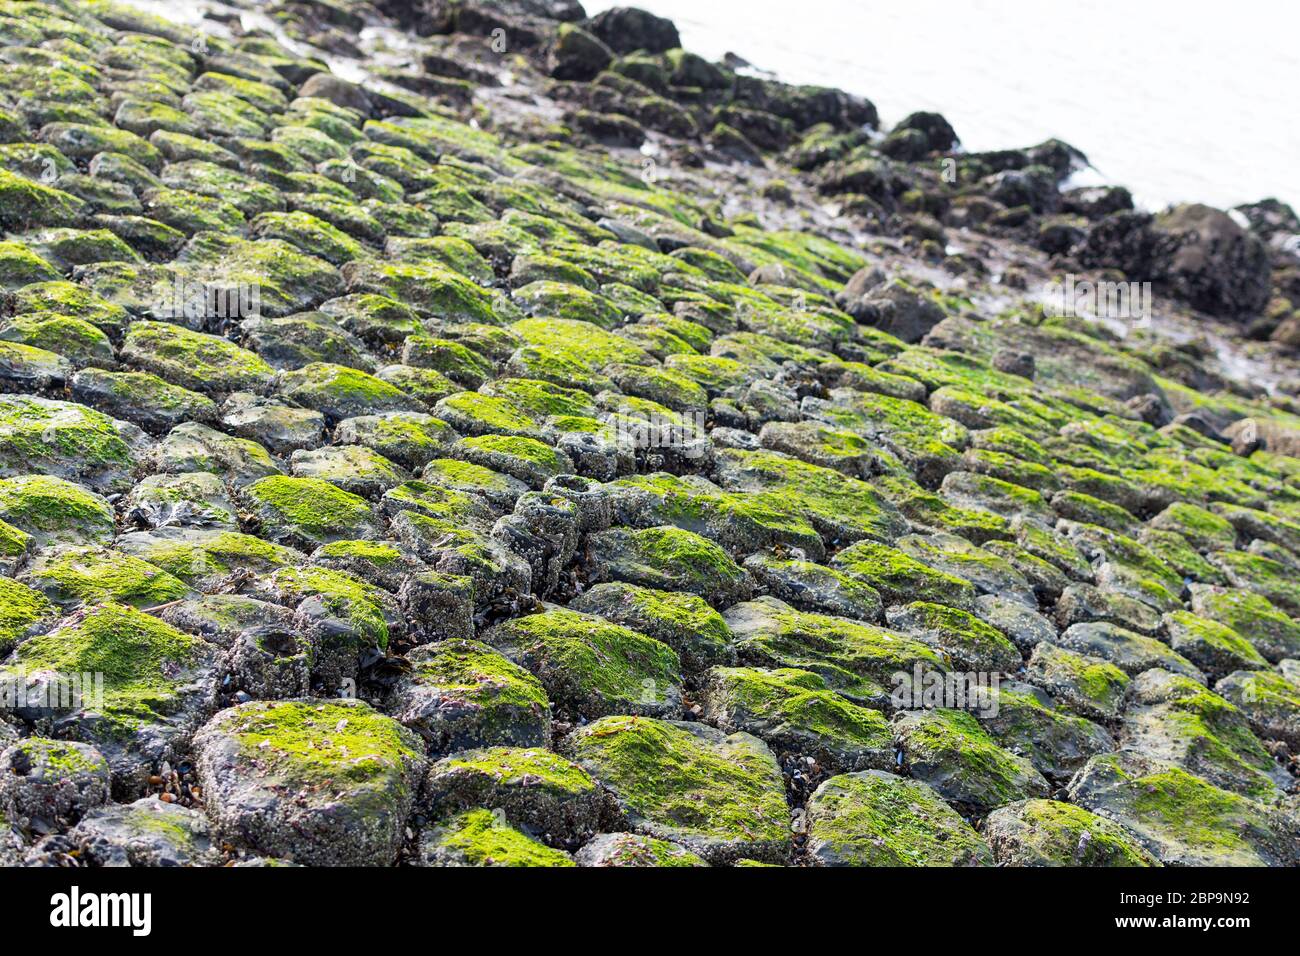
1180 100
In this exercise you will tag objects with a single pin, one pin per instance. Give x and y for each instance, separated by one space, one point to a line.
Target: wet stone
264 766
877 819
461 694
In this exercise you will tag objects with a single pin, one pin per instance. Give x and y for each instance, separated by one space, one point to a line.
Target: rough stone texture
427 388
878 819
320 782
1050 833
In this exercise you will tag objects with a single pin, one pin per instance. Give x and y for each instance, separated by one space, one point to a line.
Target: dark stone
340 92
625 29
577 55
1014 363
939 134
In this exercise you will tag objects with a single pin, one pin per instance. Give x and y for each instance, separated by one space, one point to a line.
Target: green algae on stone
437 500
195 360
740 522
1024 720
593 666
292 341
479 838
634 849
1204 530
153 674
500 491
967 489
428 288
843 509
23 612
1124 564
1176 720
309 510
929 443
55 510
26 368
1264 576
1009 468
1252 616
202 557
65 439
27 202
1213 647
14 543
930 513
540 399
1076 506
1044 542
286 280
1089 686
424 385
375 319
951 752
369 611
537 790
1269 700
961 637
719 795
193 446
65 298
309 234
1173 549
669 559
1051 833
1256 524
55 780
794 712
1182 819
78 141
858 660
814 587
66 248
1131 652
411 439
74 339
462 694
685 622
898 577
451 547
322 782
90 575
383 563
146 832
353 468
455 360
821 445
873 818
188 212
712 373
571 303
664 386
194 499
475 413
527 459
1083 602
591 345
455 253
